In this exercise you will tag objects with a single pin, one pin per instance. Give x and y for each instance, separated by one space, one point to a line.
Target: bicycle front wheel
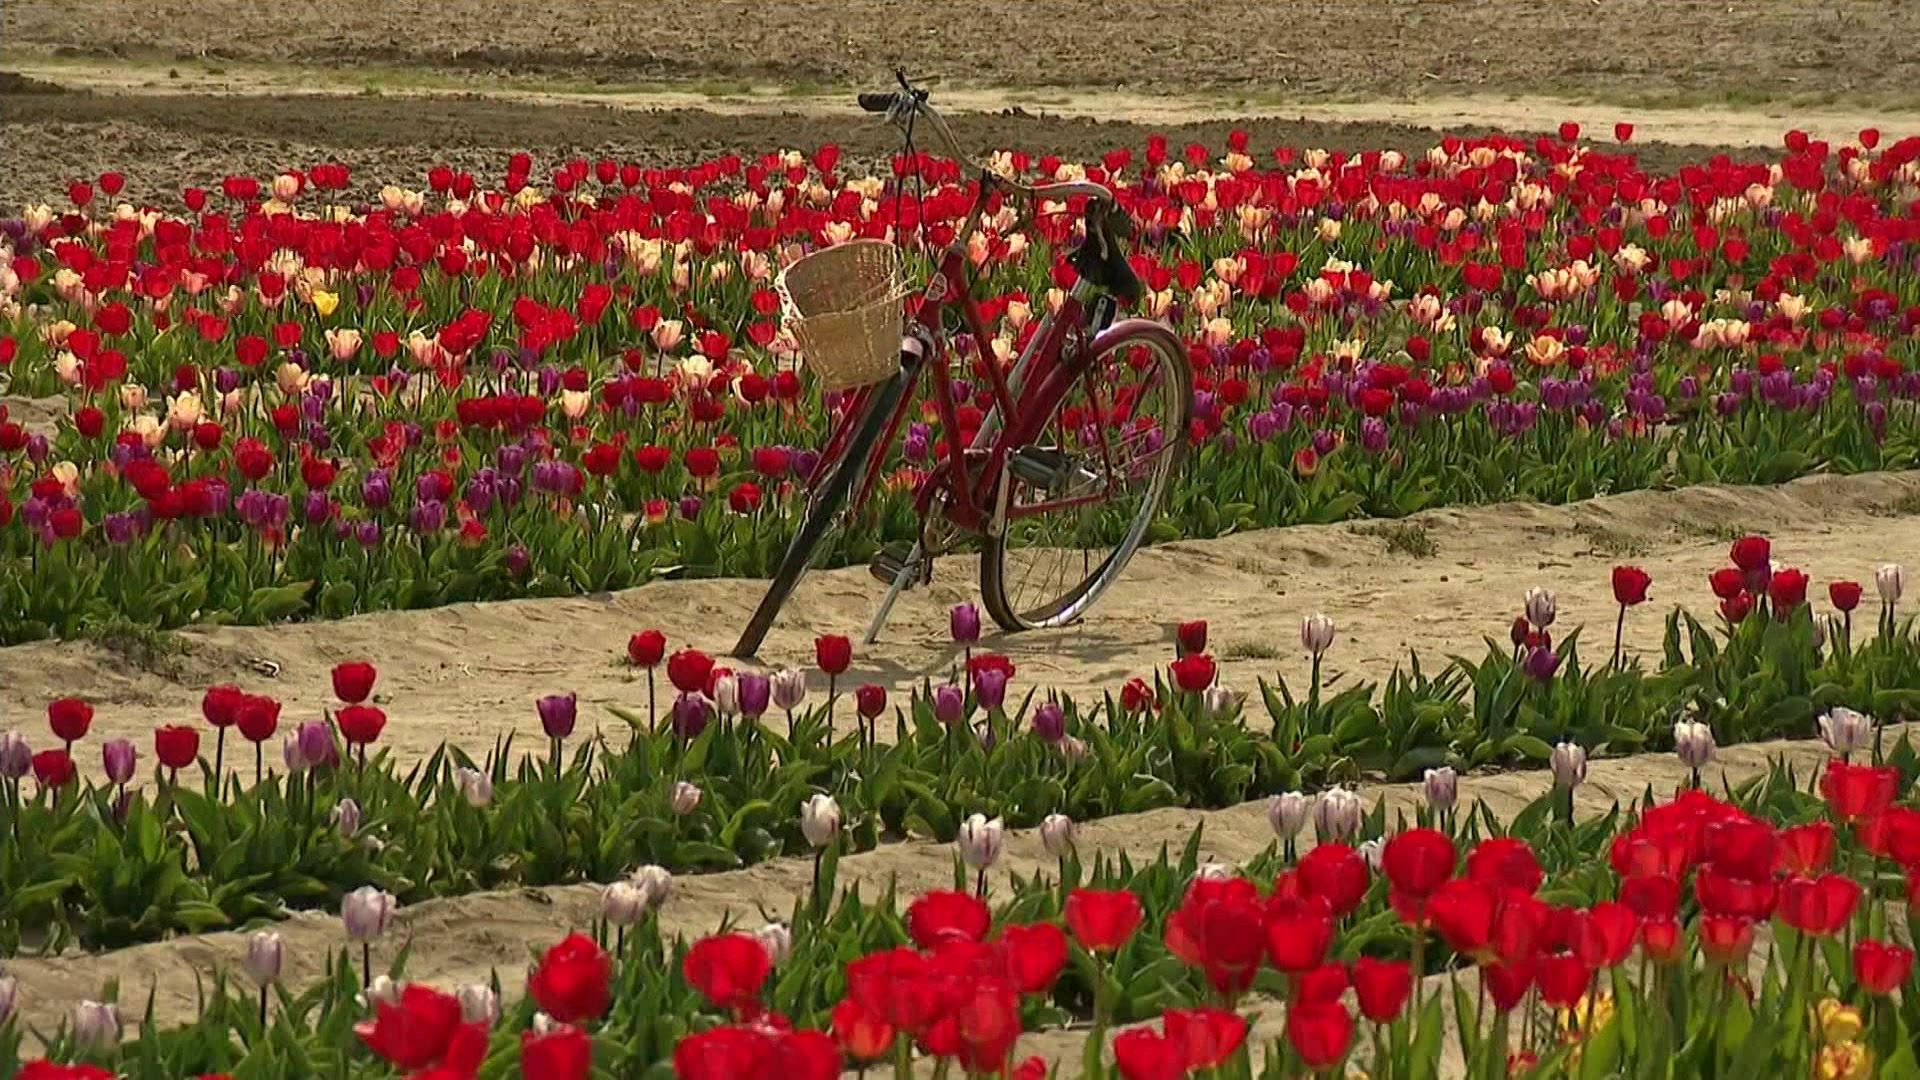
1076 504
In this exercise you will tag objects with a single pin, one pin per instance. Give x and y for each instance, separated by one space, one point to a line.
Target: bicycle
1042 475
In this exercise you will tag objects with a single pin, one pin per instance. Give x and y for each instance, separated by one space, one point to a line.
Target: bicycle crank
1049 469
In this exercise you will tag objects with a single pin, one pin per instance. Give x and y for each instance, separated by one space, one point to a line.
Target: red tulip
416 1032
1630 584
862 1036
1622 132
870 700
1844 594
1507 983
1856 793
563 1053
1144 1054
1743 848
353 683
53 768
1102 920
1736 608
1651 897
832 653
1603 935
1881 968
1299 929
1787 590
360 724
1337 874
1034 956
1209 1037
1805 850
70 718
1320 1033
571 983
1192 637
1193 673
221 705
1463 910
728 969
943 916
1723 894
176 746
1505 863
1320 986
1725 939
1661 940
1750 553
1728 582
1818 906
1220 929
1569 131
1382 987
645 648
689 670
1417 861
1562 978
258 717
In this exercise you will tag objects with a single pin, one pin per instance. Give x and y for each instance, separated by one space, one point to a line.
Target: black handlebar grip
878 102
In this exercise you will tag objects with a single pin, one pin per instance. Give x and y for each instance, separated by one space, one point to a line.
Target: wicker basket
843 304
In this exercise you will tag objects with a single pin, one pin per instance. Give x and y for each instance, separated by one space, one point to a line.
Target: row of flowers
709 770
1759 930
281 403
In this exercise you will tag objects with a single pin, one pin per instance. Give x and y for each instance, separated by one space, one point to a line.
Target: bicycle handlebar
910 101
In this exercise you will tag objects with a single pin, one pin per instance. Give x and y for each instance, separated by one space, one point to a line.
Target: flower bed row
279 405
710 776
1598 947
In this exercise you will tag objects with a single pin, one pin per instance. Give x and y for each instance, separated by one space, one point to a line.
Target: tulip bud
1887 580
16 757
691 714
382 991
316 744
726 695
478 1004
1219 702
475 786
1371 850
1057 835
9 996
1693 741
964 620
820 820
346 815
1288 814
1442 788
777 939
1214 871
1846 732
990 688
1337 814
623 903
118 756
291 755
1050 721
1316 634
980 841
366 911
1569 763
789 688
263 958
1071 747
683 799
949 705
96 1025
1540 607
655 884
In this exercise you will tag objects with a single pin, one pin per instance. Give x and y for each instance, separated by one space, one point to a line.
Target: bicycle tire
1074 602
821 510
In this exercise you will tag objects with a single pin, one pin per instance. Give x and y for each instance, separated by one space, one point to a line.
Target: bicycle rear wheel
826 502
1076 505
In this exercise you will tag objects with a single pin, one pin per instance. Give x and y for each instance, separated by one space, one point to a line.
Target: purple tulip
510 459
316 509
949 705
1541 663
557 714
37 449
691 714
518 560
368 533
317 745
226 380
118 756
120 528
1050 722
16 757
690 507
756 691
964 621
990 688
428 517
376 490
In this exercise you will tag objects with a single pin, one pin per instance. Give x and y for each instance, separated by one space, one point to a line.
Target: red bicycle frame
971 487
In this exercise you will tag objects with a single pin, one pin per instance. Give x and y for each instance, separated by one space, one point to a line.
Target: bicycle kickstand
909 569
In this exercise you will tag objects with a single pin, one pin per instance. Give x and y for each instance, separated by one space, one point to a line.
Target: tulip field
312 408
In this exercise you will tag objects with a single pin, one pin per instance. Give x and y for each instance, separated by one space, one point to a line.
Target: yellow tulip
325 302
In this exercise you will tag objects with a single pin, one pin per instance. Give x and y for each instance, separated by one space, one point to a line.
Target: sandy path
470 672
466 939
1753 126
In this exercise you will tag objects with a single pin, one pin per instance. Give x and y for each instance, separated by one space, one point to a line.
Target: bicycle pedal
892 561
